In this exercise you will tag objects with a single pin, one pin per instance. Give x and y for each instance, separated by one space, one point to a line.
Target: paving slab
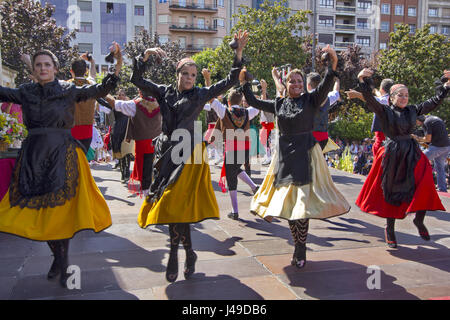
248 259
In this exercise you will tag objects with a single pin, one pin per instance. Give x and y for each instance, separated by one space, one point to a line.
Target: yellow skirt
87 210
330 146
318 200
189 199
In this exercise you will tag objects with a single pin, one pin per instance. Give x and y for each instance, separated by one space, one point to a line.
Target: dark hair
45 52
386 85
421 118
235 97
79 67
313 79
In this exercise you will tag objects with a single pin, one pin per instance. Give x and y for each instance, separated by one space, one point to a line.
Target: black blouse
402 152
46 172
295 119
179 110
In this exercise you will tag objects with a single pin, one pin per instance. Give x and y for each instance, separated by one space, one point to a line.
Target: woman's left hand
333 56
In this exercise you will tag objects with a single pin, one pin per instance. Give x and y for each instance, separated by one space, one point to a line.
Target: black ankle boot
418 222
299 257
189 265
55 269
64 249
172 266
389 234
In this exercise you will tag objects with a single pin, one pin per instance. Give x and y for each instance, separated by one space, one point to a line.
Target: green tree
28 27
206 59
274 40
417 60
162 72
352 123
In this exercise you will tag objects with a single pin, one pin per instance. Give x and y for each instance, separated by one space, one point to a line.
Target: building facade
437 14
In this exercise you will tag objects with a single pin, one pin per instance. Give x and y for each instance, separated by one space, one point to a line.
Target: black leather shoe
234 216
172 268
299 257
390 238
55 269
423 232
189 265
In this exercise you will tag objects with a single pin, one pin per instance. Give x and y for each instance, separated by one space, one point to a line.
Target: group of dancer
52 194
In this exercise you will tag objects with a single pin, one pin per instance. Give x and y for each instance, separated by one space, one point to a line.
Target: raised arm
264 105
371 103
434 102
206 94
147 86
321 93
278 84
96 91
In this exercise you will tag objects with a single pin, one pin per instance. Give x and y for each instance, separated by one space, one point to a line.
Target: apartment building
196 24
437 14
394 12
102 22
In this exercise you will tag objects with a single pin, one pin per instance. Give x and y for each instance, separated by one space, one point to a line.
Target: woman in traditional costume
181 192
401 179
52 194
298 185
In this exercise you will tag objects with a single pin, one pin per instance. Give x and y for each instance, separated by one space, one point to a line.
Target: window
445 12
163 18
200 43
385 8
163 38
201 23
412 11
182 41
325 38
109 7
182 22
85 47
433 12
412 28
85 5
218 22
86 27
445 30
162 1
383 45
325 21
326 3
219 3
201 3
138 10
364 5
137 30
363 41
384 26
433 29
362 23
399 10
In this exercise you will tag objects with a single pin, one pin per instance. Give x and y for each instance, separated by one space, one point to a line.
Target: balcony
192 5
342 45
184 27
345 27
345 10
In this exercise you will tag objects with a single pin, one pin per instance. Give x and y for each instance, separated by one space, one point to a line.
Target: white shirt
333 96
97 141
220 109
383 99
128 107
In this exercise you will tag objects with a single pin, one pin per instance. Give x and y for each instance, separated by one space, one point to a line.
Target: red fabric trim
264 133
82 132
141 147
237 145
223 177
379 139
209 132
371 199
320 135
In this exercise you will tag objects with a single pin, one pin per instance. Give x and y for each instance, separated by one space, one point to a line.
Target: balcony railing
192 27
192 5
339 44
345 9
345 26
198 47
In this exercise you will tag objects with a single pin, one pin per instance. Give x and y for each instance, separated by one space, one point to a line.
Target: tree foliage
160 73
352 123
28 27
274 40
417 60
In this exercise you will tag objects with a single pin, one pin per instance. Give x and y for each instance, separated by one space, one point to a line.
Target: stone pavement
247 259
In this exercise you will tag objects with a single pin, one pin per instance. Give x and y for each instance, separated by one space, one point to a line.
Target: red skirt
371 199
141 147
